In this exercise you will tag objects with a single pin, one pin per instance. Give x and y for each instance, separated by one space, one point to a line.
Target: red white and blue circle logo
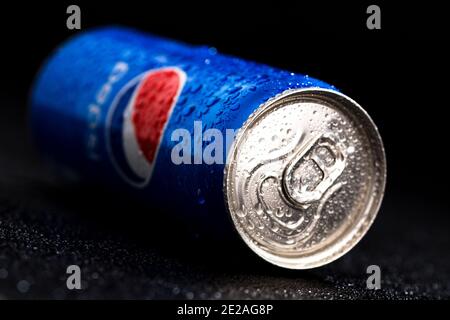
137 120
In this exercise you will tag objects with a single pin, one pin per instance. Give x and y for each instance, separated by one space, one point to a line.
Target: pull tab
313 170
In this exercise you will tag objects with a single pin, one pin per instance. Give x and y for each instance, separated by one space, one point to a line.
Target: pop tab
323 158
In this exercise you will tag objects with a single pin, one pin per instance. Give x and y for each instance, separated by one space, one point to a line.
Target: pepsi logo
137 120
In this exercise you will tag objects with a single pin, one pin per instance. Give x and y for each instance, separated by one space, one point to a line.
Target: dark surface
395 73
46 225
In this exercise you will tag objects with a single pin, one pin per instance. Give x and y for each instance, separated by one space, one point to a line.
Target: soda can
297 165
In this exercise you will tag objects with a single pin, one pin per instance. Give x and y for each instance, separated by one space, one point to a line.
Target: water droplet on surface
200 198
23 286
212 51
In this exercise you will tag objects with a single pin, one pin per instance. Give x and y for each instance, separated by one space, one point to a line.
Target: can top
305 177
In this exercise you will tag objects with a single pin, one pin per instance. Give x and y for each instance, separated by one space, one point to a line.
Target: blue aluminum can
166 121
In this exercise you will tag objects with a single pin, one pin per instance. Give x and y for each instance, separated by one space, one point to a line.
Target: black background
396 73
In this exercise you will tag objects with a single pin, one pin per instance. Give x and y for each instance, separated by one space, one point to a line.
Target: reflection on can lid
305 177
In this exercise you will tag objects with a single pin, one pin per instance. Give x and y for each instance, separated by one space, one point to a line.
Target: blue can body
84 79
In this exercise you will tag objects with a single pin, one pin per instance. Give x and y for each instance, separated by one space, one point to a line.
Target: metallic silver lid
305 177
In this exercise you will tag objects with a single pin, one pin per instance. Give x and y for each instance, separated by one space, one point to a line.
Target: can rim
349 239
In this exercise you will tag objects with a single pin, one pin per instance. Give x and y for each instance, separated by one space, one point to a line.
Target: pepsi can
297 165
